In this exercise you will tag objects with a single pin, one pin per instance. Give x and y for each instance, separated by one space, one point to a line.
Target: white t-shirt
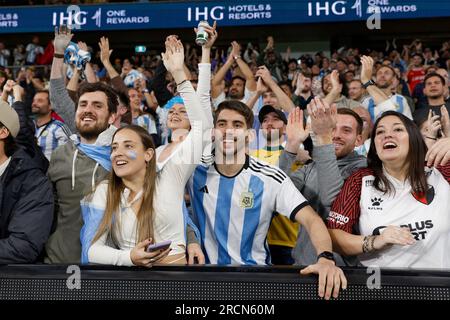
4 165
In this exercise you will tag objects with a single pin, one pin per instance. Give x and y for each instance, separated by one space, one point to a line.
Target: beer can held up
202 35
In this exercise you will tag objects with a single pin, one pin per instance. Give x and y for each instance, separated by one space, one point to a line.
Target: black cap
268 109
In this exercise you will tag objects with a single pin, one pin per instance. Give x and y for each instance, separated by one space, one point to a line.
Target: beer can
202 35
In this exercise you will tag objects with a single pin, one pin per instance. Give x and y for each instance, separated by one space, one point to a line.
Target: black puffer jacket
26 198
26 210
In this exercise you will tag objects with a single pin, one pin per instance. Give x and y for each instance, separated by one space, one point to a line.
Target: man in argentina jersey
50 133
381 98
234 195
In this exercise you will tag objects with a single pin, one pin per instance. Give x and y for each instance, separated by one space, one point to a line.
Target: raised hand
366 68
295 130
445 120
434 125
83 46
264 73
212 35
173 58
235 50
63 35
323 119
261 87
7 89
335 84
105 51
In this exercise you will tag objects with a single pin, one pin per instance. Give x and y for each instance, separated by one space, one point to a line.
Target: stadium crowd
236 155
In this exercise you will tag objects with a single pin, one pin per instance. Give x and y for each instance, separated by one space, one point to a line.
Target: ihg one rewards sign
186 14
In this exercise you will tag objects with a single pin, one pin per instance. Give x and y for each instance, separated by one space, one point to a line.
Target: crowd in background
327 141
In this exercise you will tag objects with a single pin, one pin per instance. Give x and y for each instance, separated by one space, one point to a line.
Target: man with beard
416 74
241 89
381 98
50 133
434 91
337 132
282 232
78 165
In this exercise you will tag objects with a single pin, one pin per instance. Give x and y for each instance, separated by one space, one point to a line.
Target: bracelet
179 84
58 55
372 247
368 244
236 57
435 139
365 246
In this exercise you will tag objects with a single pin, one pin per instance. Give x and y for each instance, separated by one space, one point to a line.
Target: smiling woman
131 210
399 205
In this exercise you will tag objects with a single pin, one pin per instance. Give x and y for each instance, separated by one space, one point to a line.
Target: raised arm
61 101
204 75
366 74
284 101
336 88
296 135
330 180
192 147
88 70
250 82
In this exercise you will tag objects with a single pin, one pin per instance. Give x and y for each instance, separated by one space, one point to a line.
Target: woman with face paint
140 205
179 122
399 203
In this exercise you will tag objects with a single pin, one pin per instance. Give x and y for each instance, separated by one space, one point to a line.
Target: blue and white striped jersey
234 213
399 104
147 122
51 135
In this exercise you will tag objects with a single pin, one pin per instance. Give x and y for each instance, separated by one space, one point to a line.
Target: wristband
58 55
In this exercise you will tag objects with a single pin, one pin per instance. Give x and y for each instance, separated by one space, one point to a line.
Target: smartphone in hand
164 245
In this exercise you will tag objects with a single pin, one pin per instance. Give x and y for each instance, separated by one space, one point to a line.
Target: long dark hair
415 161
145 214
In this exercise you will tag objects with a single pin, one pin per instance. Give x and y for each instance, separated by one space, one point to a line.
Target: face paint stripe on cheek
132 155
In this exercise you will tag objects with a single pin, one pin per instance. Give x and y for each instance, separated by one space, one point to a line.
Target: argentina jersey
234 213
399 104
147 122
51 136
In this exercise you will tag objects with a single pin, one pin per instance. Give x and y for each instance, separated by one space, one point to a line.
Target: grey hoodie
320 183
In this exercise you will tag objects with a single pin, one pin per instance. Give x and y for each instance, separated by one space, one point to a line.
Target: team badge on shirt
246 200
425 198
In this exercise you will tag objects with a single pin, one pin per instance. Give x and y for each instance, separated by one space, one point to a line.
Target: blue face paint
132 155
